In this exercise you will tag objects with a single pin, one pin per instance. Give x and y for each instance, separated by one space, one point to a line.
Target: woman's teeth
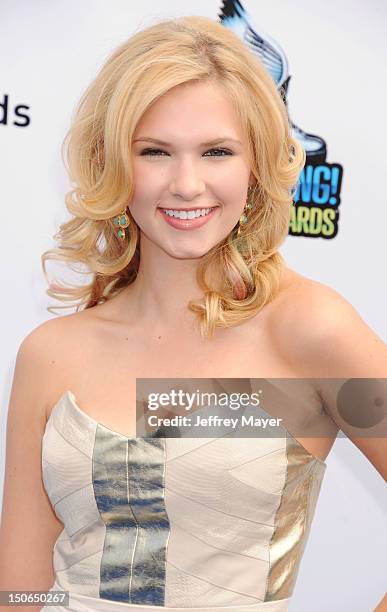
184 214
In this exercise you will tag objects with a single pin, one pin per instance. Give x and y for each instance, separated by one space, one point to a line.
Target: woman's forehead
199 112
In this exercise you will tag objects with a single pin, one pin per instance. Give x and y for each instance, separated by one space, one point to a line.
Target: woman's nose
186 181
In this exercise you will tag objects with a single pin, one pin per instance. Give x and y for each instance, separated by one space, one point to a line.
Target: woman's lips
187 224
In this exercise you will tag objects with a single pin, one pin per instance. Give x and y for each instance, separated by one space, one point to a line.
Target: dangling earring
292 152
243 219
122 220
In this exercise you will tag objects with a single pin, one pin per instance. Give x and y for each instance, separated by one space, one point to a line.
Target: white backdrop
49 51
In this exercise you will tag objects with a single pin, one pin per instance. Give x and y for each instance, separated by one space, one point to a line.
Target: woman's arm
29 526
382 606
336 344
346 352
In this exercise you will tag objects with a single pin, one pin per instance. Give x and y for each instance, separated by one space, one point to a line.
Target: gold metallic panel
294 515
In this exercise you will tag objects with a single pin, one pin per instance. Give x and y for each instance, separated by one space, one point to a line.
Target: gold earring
122 220
243 219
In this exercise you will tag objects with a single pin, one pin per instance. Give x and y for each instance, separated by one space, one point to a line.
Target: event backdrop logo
317 198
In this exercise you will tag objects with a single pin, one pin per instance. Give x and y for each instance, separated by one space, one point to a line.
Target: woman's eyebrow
203 144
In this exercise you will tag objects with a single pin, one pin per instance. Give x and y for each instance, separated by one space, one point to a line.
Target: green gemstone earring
244 217
122 221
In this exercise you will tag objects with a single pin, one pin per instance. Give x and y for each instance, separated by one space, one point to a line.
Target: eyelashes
151 151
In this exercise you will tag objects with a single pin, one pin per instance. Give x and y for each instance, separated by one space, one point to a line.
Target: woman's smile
186 219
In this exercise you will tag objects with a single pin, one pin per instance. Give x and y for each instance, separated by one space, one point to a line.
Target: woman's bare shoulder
311 320
301 295
53 334
296 308
48 355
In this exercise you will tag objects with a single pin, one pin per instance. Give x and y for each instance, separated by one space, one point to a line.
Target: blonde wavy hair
237 276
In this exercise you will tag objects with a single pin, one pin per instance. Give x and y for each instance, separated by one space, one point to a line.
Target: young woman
183 168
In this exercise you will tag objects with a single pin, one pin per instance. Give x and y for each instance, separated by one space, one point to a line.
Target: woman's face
184 173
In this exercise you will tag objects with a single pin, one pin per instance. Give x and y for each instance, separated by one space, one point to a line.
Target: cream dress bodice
180 523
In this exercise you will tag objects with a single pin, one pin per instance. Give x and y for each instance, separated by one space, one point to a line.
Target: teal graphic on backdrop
315 210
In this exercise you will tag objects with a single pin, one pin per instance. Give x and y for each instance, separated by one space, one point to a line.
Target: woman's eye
156 152
149 151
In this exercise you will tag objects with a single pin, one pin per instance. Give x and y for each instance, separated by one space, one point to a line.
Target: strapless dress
205 524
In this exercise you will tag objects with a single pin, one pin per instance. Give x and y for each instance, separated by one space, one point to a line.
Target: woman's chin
185 252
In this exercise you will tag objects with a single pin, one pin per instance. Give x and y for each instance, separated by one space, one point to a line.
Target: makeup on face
187 219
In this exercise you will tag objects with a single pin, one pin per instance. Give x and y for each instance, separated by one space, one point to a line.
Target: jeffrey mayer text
251 421
213 421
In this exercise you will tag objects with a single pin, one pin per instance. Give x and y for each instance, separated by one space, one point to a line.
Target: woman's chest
114 367
111 380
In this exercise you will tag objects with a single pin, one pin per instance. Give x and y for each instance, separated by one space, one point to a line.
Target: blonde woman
183 169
